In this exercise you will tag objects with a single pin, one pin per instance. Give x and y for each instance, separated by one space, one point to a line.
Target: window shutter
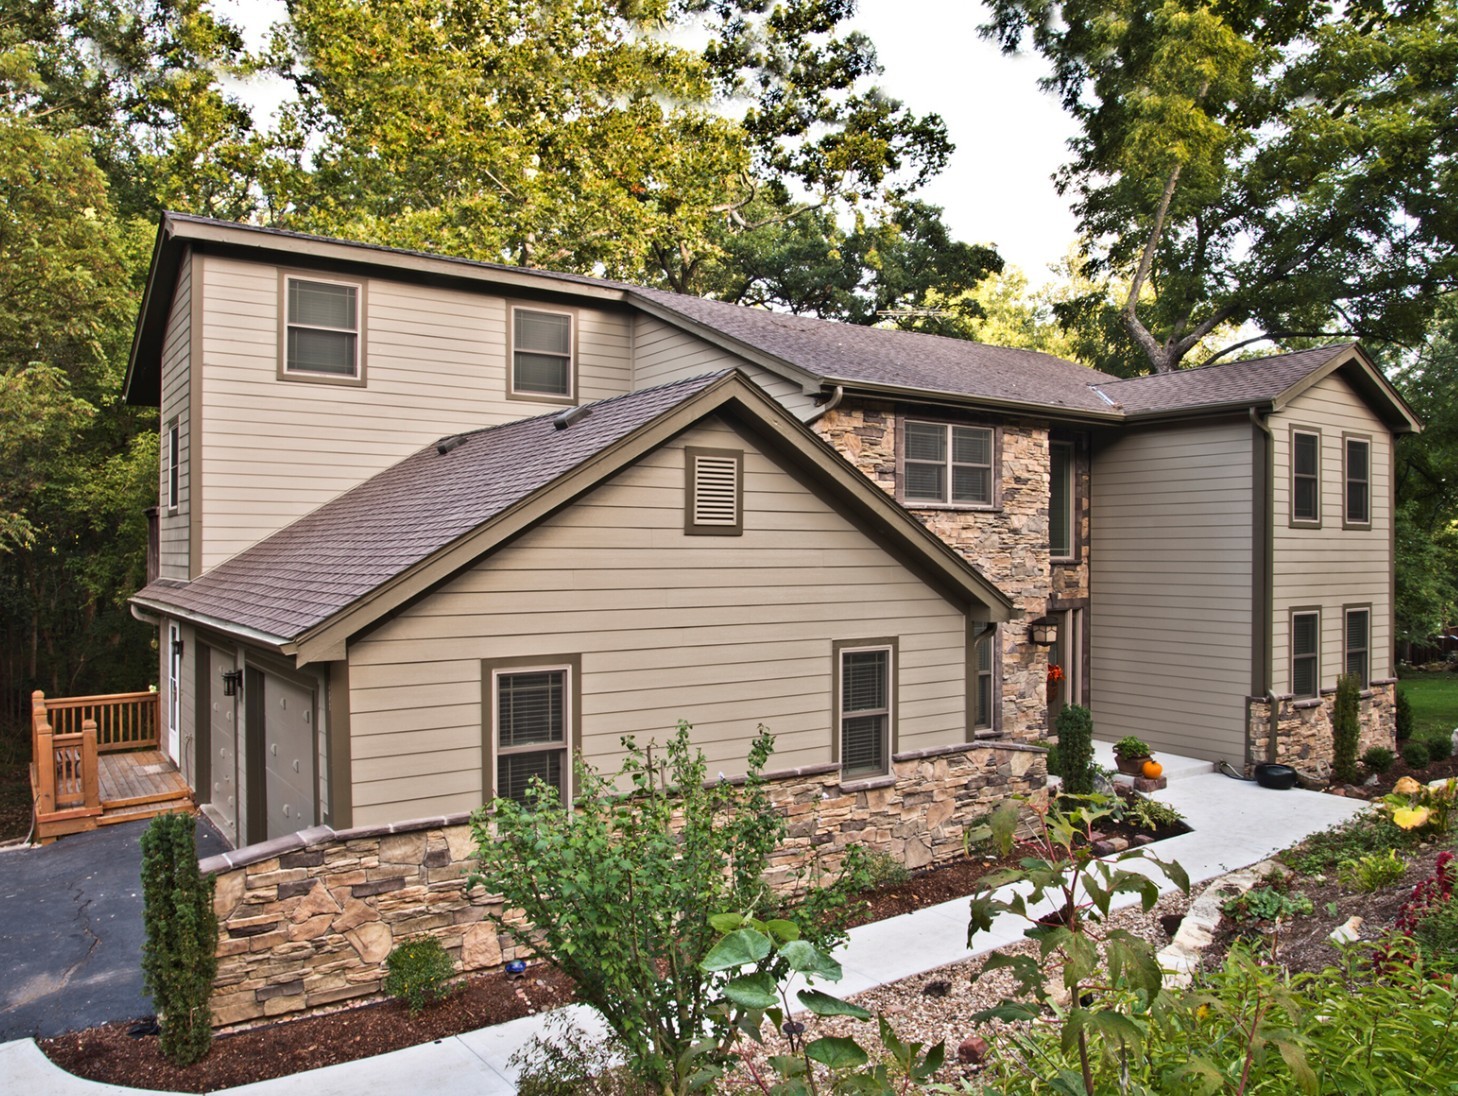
715 503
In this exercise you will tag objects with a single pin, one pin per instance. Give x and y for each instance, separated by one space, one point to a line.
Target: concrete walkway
1234 824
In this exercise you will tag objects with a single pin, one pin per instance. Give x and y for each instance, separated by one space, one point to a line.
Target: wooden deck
139 785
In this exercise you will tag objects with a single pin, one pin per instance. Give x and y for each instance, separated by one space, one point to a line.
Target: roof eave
1384 399
953 399
217 624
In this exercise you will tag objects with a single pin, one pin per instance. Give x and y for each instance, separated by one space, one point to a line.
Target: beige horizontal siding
1331 567
172 526
664 353
435 364
725 632
1171 579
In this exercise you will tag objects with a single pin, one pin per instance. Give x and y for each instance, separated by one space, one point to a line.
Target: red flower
1055 673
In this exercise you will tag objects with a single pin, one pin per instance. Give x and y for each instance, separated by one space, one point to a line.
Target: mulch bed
1438 770
111 1055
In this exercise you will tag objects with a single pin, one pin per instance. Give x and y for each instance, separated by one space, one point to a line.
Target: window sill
868 783
342 380
960 507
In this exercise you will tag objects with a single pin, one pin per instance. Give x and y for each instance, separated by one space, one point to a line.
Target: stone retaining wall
1303 735
307 920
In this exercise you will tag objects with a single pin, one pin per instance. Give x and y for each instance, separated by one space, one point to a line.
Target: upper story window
322 328
1060 500
865 682
1305 653
713 492
1357 474
542 356
171 462
948 465
1305 477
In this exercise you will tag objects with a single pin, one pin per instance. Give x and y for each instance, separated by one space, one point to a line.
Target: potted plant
1130 754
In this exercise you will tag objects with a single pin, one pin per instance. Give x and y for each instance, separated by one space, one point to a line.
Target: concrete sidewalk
1235 824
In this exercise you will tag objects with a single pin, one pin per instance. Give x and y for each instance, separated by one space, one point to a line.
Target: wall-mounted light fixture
1044 631
232 682
177 648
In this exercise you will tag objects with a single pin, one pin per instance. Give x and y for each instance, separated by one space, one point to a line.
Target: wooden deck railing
124 721
64 767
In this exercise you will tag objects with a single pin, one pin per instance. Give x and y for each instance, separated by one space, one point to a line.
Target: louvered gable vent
714 491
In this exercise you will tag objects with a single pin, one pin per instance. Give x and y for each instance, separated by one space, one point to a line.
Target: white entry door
174 694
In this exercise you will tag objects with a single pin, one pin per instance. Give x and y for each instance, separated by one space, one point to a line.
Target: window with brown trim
171 462
865 707
1305 653
948 465
1357 476
984 706
1305 477
542 359
531 730
713 492
321 337
1060 500
1357 643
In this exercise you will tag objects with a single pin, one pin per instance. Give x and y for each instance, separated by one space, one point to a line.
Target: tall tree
1287 165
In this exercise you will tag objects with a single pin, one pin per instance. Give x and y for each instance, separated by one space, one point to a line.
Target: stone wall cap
1314 702
1376 681
869 784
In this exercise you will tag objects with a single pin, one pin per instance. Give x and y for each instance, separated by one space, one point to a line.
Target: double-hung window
1305 477
541 355
171 460
1305 653
1357 474
1060 500
982 714
321 338
531 731
1357 643
865 674
948 465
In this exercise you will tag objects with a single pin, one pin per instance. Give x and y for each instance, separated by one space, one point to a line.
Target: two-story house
427 526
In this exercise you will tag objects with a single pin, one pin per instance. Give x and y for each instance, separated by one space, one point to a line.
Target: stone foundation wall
307 920
1303 734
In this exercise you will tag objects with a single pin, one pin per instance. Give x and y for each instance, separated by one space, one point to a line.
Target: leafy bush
1415 753
1420 809
997 830
1346 728
419 972
1404 715
1129 746
1440 746
620 890
179 959
1149 814
566 1061
1378 759
1371 872
1371 831
881 869
1075 749
1269 904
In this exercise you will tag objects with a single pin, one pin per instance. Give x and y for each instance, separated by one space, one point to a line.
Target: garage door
289 755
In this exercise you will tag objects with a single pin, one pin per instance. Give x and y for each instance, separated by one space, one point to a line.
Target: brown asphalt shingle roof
842 352
1241 383
307 572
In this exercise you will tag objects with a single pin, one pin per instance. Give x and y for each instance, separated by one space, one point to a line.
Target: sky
1010 135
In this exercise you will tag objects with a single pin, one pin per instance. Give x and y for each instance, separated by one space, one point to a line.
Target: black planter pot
1277 777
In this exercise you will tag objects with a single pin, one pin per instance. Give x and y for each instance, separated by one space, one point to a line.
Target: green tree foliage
1284 165
1346 728
179 955
1075 748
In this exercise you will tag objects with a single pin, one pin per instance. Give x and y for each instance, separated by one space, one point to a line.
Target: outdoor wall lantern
177 648
232 682
1044 631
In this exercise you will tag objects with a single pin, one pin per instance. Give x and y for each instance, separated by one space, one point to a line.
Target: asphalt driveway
71 931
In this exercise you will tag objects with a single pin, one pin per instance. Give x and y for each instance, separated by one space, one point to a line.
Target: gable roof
309 586
1267 383
814 353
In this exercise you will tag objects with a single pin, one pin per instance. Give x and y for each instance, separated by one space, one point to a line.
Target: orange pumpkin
1152 769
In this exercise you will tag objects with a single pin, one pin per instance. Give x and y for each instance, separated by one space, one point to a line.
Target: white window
1305 653
714 495
1357 643
321 328
1060 500
864 708
1305 477
950 465
531 730
541 355
1357 498
171 453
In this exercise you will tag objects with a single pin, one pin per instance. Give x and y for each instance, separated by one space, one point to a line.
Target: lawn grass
1434 699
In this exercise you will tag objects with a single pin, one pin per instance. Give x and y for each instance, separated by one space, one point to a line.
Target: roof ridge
1334 347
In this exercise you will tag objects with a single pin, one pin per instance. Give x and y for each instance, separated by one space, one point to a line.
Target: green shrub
1075 749
1415 753
1346 728
1404 716
1149 814
1369 832
997 831
1371 872
419 972
1437 936
1055 761
1129 746
1440 747
881 869
1378 759
566 1061
1267 904
179 954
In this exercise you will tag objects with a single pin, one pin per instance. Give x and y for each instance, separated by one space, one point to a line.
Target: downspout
1273 714
830 405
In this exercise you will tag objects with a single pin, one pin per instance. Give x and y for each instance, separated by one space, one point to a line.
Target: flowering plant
1055 673
1415 806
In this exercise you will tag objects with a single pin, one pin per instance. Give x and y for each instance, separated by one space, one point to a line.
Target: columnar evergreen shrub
1404 716
179 954
1075 749
1346 728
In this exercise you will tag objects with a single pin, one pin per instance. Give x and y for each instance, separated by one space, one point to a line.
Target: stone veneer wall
1008 544
307 921
1303 735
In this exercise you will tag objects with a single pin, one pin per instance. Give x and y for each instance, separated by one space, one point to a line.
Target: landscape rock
973 1050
